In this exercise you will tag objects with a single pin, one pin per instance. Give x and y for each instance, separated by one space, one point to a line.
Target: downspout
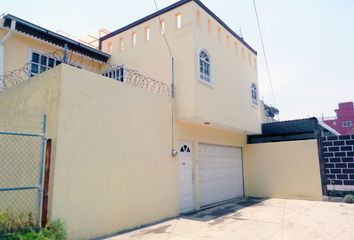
2 52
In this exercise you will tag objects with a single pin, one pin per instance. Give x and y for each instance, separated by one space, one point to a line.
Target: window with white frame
163 27
347 124
116 73
147 33
40 63
254 94
204 67
178 21
134 39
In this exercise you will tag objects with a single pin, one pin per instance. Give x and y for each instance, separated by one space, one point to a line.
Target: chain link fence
21 170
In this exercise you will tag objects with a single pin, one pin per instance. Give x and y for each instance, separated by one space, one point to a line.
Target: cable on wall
174 152
264 52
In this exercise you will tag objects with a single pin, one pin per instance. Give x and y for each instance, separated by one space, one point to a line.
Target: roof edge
169 8
55 35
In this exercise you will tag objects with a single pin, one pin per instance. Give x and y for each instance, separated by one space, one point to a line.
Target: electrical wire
173 151
164 34
264 53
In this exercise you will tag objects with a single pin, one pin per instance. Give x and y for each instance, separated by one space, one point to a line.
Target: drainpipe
2 52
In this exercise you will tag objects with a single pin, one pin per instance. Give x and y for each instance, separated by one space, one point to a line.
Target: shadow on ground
217 211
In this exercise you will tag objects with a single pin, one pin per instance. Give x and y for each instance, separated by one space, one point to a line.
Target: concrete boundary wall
283 170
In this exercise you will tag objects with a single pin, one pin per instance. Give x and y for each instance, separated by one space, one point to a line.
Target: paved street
248 219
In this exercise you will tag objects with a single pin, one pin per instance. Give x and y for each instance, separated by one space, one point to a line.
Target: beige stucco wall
21 111
228 100
227 103
113 169
283 170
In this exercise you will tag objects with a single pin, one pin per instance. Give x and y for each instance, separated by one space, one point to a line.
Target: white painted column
2 52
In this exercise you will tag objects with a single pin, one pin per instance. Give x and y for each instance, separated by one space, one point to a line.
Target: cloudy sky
309 43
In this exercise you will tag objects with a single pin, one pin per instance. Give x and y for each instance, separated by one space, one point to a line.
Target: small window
347 124
228 40
199 18
254 94
116 73
236 46
204 67
163 27
110 49
178 21
185 148
209 26
219 33
134 39
147 33
41 63
121 43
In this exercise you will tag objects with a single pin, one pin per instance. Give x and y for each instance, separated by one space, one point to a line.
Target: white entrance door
220 172
185 159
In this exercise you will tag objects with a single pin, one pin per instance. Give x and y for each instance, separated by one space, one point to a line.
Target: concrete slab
255 219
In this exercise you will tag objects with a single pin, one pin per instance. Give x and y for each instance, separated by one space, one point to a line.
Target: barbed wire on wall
134 78
14 77
127 75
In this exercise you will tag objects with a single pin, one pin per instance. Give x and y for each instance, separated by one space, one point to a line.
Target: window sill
209 84
255 105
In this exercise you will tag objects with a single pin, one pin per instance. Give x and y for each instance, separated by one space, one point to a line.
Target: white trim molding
211 79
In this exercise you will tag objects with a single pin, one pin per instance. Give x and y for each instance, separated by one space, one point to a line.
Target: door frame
190 144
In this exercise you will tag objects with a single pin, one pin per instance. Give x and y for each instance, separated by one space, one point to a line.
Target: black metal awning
300 129
54 38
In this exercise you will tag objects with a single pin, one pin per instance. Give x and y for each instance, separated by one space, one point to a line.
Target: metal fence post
40 172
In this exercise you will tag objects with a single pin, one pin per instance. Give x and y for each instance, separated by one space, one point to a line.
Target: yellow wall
113 168
227 104
19 46
22 107
283 170
228 100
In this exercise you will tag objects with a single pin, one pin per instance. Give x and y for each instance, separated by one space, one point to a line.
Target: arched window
254 94
185 148
204 66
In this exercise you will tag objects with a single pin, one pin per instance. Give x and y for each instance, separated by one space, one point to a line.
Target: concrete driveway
257 219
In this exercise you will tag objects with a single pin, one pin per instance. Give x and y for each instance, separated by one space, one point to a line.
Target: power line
164 35
173 151
264 53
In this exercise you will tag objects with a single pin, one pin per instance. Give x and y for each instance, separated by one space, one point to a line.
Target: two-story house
156 126
343 122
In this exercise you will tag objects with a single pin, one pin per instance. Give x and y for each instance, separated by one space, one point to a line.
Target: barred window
116 73
347 124
204 67
254 94
41 63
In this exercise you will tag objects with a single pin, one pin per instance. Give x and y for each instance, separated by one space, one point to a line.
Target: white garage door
221 175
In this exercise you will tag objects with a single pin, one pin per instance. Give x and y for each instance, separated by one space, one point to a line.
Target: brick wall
338 156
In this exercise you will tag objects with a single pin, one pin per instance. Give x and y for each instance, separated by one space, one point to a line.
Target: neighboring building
344 121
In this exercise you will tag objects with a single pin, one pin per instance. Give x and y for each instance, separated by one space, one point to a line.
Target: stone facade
338 155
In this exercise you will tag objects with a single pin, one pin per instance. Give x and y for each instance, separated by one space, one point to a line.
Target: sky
309 43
